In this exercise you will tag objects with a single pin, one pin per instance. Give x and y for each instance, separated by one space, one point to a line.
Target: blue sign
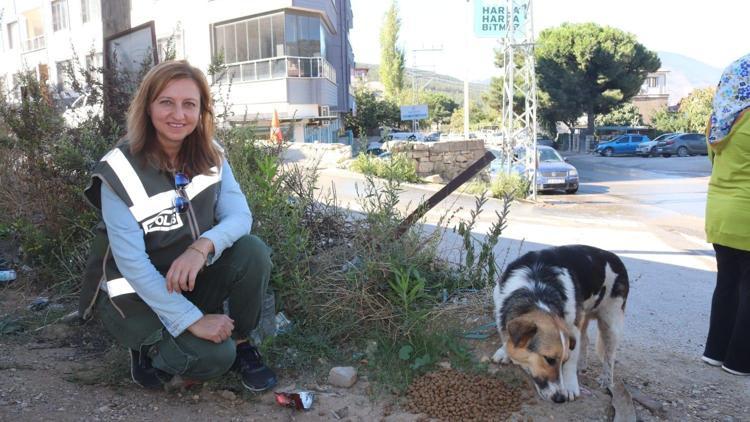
492 18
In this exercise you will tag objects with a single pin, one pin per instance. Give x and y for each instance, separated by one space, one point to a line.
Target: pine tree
391 57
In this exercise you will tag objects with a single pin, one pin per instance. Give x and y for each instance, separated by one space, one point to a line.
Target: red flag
276 134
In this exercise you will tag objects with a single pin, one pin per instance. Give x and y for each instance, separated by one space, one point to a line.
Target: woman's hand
184 269
213 327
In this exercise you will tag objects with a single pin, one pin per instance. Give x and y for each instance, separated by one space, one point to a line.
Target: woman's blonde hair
198 153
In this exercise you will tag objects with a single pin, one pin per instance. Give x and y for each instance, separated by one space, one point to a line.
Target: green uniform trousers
240 275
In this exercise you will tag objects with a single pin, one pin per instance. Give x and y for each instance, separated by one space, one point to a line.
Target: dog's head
540 343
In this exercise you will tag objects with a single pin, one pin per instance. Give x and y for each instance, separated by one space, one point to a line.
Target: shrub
43 170
398 167
518 187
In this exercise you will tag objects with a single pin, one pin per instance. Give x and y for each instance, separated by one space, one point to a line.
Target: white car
80 111
647 149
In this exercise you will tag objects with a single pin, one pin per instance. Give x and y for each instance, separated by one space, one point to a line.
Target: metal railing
34 43
280 67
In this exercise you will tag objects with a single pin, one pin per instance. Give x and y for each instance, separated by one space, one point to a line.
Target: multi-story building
653 95
288 56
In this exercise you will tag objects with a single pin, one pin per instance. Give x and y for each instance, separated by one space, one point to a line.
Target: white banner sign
414 112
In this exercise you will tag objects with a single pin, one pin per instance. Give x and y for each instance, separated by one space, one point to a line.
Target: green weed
398 167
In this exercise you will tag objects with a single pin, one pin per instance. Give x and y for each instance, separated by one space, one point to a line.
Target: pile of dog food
452 396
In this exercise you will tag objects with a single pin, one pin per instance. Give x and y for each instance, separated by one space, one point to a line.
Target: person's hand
213 327
184 269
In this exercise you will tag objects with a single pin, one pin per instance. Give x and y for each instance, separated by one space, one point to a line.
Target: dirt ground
65 373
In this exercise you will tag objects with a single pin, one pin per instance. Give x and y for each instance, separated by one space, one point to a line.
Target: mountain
686 74
431 81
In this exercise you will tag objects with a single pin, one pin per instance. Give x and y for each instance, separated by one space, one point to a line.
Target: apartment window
259 48
653 81
304 36
85 11
252 39
169 46
63 74
59 15
12 31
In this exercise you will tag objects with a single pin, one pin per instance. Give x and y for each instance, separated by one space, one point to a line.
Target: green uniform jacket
149 194
728 204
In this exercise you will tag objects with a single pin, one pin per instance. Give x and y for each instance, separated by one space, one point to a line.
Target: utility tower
519 86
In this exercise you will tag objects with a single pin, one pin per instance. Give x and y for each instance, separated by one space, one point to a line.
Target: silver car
554 173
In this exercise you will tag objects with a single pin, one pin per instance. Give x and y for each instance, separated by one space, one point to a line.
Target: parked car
554 173
647 149
432 136
545 142
621 145
404 136
374 148
683 144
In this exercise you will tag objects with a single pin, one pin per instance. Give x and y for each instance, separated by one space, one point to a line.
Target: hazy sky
714 32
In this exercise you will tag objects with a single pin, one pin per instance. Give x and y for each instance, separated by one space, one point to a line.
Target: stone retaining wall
446 158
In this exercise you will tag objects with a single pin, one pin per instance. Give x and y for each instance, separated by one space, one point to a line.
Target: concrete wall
649 105
446 158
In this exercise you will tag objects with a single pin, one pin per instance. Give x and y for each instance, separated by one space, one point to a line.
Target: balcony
279 67
35 43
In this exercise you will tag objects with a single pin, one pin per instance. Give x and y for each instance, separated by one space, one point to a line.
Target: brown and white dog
543 303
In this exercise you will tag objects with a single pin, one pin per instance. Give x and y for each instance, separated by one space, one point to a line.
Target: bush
43 170
398 167
514 185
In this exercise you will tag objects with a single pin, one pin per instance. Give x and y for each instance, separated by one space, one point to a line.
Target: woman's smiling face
175 112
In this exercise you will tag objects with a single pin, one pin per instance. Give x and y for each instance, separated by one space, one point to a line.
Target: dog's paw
573 392
500 356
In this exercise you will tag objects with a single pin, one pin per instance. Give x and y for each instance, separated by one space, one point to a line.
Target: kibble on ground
450 395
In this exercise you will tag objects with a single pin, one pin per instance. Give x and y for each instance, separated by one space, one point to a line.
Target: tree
587 68
391 57
697 109
372 112
691 115
440 107
625 115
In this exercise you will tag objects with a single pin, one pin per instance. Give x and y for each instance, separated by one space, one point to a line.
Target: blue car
621 145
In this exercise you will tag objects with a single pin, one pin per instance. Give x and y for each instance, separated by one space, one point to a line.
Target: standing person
728 221
175 242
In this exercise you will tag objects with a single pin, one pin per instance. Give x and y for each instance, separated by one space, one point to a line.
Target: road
653 186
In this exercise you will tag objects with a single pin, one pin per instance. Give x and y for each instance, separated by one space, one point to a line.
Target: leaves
404 353
626 115
391 57
587 68
691 116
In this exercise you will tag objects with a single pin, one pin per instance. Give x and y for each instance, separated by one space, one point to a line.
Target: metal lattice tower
519 81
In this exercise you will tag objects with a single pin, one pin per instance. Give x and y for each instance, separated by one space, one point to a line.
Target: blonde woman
175 242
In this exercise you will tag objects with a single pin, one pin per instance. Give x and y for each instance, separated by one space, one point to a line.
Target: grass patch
397 362
513 185
398 167
301 351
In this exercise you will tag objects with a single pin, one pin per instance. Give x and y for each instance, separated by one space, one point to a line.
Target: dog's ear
521 331
572 342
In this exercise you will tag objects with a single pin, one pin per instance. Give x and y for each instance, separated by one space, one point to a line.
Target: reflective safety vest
149 193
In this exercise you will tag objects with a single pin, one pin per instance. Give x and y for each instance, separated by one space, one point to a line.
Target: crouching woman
174 243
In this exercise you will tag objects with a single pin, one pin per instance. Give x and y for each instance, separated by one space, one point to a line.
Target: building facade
653 95
288 56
